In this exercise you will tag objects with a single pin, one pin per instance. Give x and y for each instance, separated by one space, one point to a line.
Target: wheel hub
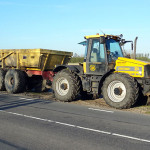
63 86
118 91
12 81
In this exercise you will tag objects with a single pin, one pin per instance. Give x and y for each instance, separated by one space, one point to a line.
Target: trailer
22 69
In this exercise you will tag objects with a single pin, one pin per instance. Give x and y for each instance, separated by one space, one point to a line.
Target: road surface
35 124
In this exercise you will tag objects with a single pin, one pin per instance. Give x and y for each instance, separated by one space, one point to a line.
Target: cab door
96 60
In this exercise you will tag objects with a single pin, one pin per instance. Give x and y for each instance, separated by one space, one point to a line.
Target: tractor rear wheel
15 81
120 90
66 85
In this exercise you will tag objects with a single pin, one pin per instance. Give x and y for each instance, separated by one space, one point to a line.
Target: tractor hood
135 61
135 68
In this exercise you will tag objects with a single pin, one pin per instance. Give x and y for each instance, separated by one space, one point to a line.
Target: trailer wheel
120 91
15 81
2 79
66 85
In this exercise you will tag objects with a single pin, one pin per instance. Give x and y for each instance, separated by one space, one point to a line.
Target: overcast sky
61 24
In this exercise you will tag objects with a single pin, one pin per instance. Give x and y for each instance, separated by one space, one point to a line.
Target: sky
62 24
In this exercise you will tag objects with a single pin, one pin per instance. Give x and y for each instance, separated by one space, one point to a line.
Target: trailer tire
120 91
15 81
2 80
66 85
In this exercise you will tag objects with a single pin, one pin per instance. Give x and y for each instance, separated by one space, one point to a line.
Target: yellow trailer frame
33 59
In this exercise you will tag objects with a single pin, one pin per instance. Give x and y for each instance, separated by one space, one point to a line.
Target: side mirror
102 39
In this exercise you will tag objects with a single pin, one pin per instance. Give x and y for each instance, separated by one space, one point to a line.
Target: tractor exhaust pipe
134 53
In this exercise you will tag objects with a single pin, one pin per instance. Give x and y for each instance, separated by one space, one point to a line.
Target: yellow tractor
104 71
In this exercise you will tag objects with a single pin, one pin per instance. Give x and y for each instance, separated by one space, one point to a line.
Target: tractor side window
97 52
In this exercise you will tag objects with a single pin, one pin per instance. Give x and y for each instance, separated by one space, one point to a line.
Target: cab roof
98 36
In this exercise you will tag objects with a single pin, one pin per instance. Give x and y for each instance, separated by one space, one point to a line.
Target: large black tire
66 85
2 80
15 81
120 91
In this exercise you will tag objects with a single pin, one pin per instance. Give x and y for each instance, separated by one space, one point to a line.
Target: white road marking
99 131
22 98
130 137
101 110
79 127
28 99
66 124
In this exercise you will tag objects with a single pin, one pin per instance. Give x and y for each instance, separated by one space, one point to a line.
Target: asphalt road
35 124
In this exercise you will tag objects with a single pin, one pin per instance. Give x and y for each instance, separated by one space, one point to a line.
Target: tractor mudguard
75 68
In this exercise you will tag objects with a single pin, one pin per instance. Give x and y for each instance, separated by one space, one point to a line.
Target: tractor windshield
113 49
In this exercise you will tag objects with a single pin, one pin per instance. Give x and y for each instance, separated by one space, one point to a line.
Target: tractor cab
101 53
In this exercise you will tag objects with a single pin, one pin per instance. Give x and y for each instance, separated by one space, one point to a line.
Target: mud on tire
120 90
15 81
66 85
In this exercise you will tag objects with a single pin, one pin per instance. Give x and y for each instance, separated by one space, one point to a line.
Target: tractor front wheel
120 90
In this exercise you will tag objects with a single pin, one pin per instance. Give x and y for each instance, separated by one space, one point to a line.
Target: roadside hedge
77 60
